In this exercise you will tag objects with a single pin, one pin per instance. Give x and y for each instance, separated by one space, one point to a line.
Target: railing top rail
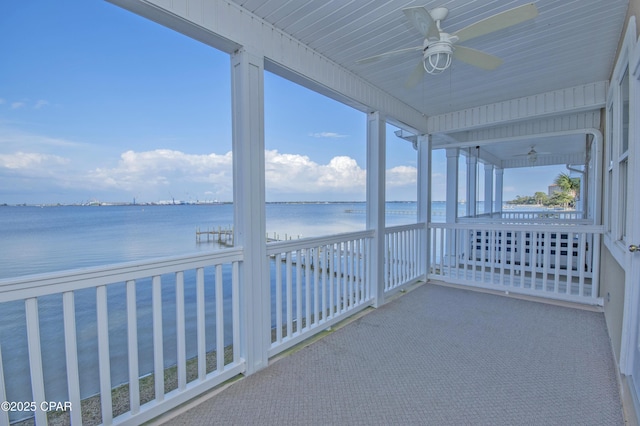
76 279
408 227
541 211
550 220
289 245
531 212
560 227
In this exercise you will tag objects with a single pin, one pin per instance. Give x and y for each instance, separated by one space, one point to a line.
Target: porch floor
437 355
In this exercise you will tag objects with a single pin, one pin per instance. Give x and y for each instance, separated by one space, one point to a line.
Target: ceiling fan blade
476 58
422 20
387 54
497 22
415 77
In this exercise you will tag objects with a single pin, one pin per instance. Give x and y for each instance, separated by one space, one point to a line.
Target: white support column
472 196
488 188
376 152
453 156
247 87
499 189
452 185
424 197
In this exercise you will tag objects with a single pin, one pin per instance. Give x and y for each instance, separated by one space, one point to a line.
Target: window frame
616 201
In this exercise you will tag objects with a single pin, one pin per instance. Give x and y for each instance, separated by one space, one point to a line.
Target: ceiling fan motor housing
439 13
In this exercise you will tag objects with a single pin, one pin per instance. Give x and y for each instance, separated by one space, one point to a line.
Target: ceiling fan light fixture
437 57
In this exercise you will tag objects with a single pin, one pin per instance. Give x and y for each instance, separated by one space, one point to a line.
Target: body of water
46 239
38 240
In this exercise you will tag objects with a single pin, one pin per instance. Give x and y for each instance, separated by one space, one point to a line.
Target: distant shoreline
179 203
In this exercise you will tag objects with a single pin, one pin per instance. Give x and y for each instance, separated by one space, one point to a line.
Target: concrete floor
435 356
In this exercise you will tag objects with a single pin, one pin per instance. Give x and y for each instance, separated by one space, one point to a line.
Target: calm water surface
37 240
45 239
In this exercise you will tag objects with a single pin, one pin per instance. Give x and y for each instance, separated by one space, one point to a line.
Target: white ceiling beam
227 26
556 123
586 97
545 160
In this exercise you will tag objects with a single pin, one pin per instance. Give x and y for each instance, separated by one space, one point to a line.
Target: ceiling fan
532 155
438 46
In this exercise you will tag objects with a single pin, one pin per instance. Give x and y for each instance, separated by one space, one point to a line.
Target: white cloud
401 176
163 167
294 173
18 105
209 174
2 101
330 135
30 161
152 175
28 172
40 103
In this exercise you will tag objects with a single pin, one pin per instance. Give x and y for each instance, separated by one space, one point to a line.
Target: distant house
553 188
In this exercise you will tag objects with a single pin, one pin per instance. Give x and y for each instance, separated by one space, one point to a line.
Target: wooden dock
224 236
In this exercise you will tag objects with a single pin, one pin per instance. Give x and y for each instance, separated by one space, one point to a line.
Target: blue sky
97 103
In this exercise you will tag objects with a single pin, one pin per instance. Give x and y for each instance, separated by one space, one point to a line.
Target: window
623 157
609 182
624 109
622 199
617 169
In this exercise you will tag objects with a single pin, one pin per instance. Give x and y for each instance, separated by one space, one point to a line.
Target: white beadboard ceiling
570 43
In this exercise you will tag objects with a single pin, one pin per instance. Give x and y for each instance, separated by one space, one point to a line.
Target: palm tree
561 198
568 184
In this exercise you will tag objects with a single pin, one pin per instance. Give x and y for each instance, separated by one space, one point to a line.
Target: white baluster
219 320
71 354
201 325
132 342
181 343
4 414
158 352
103 354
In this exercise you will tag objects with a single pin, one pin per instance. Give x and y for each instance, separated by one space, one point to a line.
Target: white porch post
488 188
499 188
376 152
424 198
472 197
452 184
453 156
247 87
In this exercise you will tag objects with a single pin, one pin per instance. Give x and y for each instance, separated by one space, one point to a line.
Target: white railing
138 339
545 214
317 282
404 261
532 217
146 336
553 261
